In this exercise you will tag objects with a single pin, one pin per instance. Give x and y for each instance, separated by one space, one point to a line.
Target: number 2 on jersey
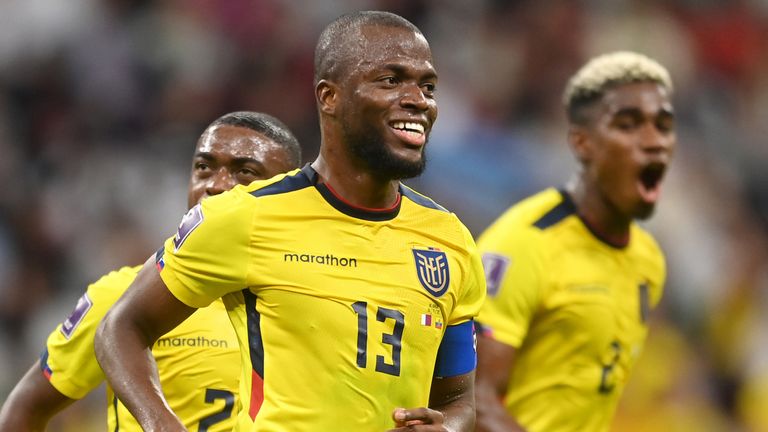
394 339
211 395
607 378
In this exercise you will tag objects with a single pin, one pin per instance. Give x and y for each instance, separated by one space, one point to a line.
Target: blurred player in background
348 291
199 360
571 276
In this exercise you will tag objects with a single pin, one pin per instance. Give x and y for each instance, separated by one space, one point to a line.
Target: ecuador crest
432 270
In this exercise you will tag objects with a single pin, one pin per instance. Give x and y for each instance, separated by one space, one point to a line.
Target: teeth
409 126
415 126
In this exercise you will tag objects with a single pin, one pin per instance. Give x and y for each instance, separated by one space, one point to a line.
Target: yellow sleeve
209 255
70 364
514 276
472 292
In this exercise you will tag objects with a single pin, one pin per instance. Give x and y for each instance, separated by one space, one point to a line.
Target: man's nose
414 97
221 181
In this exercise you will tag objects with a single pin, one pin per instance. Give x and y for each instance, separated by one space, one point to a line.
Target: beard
371 149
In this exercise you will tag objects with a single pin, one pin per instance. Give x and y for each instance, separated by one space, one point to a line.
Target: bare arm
494 363
32 403
455 398
451 408
123 347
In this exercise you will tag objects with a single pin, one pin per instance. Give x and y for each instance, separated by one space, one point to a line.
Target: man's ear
327 95
580 143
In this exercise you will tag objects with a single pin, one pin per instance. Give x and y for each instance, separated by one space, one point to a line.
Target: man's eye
202 166
247 175
665 125
390 80
429 88
626 124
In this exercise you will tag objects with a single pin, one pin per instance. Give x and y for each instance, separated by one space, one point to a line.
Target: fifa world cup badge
191 220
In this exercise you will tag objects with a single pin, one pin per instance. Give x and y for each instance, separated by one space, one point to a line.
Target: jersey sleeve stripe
256 348
115 400
561 211
420 199
44 365
300 180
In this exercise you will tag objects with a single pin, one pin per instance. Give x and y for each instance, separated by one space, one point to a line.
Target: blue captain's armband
458 351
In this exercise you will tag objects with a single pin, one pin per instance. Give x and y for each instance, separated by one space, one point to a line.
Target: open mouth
410 132
651 175
650 181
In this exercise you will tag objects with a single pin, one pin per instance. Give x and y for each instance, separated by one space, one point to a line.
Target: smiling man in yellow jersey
571 277
199 360
352 296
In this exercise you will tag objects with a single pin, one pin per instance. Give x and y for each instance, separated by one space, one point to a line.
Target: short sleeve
209 255
513 270
69 361
472 291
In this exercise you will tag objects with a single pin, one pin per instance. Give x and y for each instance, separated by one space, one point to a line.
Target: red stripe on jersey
257 394
368 209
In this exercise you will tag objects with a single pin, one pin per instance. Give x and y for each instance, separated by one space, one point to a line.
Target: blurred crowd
101 102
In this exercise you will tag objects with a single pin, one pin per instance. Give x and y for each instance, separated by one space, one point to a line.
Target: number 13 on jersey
389 366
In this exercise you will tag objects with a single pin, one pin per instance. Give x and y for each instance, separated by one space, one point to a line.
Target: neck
354 184
600 216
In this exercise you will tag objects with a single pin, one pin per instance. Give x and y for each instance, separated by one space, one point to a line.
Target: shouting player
571 276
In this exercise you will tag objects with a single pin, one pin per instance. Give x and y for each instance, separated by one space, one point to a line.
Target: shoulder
80 325
245 196
418 207
647 246
291 181
426 212
529 219
114 282
234 209
420 200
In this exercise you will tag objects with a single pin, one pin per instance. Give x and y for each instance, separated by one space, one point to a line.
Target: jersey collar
568 201
337 202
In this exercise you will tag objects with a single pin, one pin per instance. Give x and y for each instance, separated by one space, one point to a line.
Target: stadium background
101 102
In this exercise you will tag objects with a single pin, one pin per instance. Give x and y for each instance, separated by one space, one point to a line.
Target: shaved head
267 125
342 39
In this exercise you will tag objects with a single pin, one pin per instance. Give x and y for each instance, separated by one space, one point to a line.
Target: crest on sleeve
432 270
495 267
74 319
191 220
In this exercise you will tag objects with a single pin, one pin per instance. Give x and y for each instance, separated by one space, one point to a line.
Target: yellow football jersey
574 306
198 362
339 310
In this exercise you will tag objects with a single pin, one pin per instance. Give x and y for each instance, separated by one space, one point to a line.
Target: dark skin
390 81
632 132
393 80
225 157
624 149
229 155
32 403
495 361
